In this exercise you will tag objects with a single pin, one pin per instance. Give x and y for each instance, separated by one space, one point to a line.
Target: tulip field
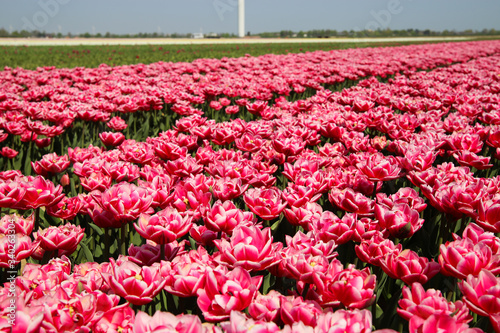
353 190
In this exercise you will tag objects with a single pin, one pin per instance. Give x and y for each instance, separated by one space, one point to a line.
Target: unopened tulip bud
65 180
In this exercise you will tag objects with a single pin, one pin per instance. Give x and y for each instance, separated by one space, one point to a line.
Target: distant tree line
281 34
44 34
376 33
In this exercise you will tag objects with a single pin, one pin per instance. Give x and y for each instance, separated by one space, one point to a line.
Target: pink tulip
11 192
304 267
148 254
138 285
65 238
40 192
226 291
409 267
345 321
440 323
330 227
21 244
463 257
22 225
295 309
51 164
224 217
351 201
265 202
111 139
163 227
380 168
117 124
297 195
96 181
89 276
482 293
121 171
249 247
66 209
489 216
140 153
400 220
167 322
290 146
125 201
249 142
470 159
266 307
351 287
203 236
239 323
118 319
187 274
228 188
305 215
8 152
170 151
376 249
422 303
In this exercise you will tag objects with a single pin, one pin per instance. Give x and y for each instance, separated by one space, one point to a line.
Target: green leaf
378 312
266 284
276 224
86 251
97 229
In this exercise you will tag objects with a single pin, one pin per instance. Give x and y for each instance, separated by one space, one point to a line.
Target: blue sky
183 16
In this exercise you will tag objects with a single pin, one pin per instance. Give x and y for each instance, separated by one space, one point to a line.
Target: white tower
241 18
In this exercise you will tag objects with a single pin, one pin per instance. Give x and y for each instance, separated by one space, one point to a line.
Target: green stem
37 219
106 244
374 195
82 141
124 239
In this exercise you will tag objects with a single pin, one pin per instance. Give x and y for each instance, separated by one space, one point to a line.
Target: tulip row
331 212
